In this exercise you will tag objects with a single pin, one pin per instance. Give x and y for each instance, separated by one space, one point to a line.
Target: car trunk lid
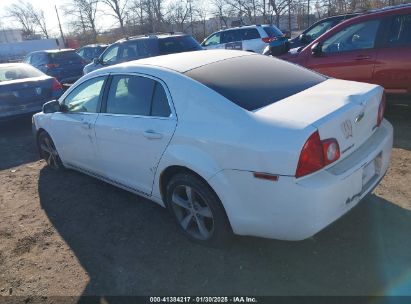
344 110
22 93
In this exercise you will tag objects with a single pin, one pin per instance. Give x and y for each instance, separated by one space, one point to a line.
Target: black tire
48 151
206 204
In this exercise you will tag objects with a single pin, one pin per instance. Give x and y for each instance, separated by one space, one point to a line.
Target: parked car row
65 65
254 38
369 47
143 46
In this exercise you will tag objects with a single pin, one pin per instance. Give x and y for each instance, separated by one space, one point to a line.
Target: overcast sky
50 13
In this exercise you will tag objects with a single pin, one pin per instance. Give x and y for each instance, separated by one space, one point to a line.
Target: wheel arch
167 174
172 170
39 131
37 135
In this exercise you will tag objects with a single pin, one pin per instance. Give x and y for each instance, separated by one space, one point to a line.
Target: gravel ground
64 233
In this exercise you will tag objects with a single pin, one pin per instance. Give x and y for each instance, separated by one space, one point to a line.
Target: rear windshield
21 71
272 31
255 81
178 44
65 57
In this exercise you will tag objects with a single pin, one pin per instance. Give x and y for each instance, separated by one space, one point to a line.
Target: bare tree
278 8
21 12
178 13
117 10
222 11
83 15
150 13
202 13
40 20
249 9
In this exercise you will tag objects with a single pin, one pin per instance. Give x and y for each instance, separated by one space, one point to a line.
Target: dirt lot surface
64 233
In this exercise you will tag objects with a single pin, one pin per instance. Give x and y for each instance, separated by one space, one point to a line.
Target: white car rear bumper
295 209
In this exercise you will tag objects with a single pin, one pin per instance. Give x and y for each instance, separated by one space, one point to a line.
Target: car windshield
254 81
91 52
272 31
21 71
178 44
65 57
320 29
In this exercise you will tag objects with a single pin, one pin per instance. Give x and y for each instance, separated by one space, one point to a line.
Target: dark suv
138 47
65 65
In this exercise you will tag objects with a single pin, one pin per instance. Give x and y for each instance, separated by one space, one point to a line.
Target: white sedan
228 141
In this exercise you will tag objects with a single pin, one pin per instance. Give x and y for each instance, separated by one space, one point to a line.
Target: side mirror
317 49
96 61
287 35
51 107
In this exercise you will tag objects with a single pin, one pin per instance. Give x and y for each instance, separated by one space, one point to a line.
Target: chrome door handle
151 134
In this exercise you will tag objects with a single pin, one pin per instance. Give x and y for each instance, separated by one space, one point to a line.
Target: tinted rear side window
130 95
272 31
230 36
65 57
160 107
39 59
255 81
249 34
129 51
148 47
400 32
178 44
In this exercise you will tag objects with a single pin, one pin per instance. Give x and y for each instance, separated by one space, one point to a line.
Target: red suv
374 47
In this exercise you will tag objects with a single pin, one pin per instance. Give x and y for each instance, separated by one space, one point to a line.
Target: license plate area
371 171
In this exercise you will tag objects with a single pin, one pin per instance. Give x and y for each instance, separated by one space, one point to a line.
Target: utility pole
61 30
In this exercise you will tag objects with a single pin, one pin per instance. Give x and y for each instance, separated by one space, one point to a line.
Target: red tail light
268 39
56 85
316 154
381 110
51 65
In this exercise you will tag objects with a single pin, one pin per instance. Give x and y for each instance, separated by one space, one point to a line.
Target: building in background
11 35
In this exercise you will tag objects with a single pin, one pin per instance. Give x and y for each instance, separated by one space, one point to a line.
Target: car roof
54 51
183 62
371 13
389 8
152 36
95 45
342 16
13 64
244 27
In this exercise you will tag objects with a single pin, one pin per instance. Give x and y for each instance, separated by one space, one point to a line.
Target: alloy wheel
49 152
192 212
